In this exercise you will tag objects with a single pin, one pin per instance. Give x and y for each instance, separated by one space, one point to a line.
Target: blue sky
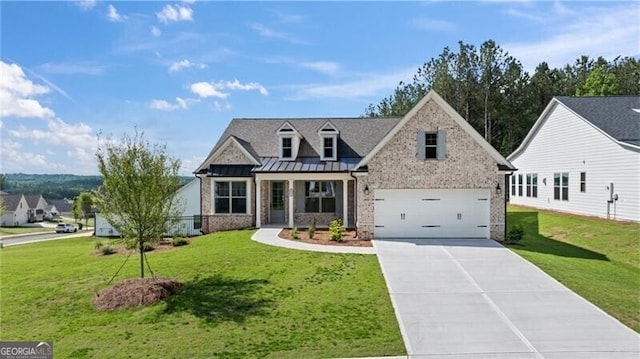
180 71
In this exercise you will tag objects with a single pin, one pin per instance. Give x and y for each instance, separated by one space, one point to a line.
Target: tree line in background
55 186
502 101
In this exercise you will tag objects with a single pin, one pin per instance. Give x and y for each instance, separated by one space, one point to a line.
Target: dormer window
289 142
329 141
286 152
329 148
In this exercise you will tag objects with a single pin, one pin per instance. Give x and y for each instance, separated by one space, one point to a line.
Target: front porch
297 199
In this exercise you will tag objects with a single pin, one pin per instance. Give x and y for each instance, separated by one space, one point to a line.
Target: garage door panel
456 213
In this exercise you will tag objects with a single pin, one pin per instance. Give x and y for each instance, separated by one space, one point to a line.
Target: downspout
507 191
355 202
200 184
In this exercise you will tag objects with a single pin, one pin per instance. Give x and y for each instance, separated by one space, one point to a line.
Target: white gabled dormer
328 142
288 142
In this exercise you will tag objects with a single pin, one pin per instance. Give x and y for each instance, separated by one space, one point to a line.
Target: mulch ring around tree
135 292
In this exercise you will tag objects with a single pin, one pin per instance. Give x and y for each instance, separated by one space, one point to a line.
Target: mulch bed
322 237
119 248
135 292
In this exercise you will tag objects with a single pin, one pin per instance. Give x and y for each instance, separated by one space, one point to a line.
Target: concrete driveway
473 298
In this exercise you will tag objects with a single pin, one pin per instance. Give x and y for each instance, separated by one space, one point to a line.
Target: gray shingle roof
32 200
617 116
61 205
358 136
11 201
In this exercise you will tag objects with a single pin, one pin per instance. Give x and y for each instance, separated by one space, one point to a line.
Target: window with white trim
230 196
430 145
320 197
329 149
583 182
561 186
513 185
286 148
534 185
520 185
528 184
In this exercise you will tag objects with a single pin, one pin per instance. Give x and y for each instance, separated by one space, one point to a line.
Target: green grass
240 299
598 259
7 231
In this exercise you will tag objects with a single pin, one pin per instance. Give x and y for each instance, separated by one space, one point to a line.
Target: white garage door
433 213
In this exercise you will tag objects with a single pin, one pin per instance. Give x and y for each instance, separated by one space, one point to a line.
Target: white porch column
345 203
290 195
258 203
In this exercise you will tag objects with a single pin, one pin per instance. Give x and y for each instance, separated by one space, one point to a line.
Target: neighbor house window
320 197
583 181
561 186
513 185
287 148
197 221
520 185
230 197
528 184
534 185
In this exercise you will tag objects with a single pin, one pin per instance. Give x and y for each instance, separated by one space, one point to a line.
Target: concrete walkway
476 299
270 236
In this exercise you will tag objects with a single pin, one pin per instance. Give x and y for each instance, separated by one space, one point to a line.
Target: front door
277 202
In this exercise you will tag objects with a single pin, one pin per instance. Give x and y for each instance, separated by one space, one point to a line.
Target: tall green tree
83 204
600 82
138 193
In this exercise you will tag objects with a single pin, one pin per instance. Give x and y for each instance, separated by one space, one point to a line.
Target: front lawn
8 231
598 259
240 299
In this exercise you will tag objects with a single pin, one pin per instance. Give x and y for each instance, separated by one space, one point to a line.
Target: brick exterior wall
396 166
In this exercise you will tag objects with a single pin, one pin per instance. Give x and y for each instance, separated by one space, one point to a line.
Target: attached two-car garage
432 213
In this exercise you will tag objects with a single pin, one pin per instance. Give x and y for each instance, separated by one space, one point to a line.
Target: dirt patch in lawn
119 247
135 292
321 236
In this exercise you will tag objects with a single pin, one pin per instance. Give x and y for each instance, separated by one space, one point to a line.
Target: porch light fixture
498 189
366 189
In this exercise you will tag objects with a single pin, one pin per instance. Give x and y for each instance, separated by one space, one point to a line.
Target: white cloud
273 34
86 4
70 68
206 89
288 17
364 86
17 94
184 64
181 104
432 24
236 85
81 154
217 89
155 32
326 67
16 159
171 13
113 15
606 32
58 133
219 106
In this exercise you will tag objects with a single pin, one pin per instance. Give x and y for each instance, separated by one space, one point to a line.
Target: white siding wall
103 228
566 143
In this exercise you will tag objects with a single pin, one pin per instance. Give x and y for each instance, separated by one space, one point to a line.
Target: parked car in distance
66 228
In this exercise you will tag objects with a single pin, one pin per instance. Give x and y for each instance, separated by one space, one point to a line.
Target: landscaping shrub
106 250
98 245
147 247
294 233
179 241
515 234
336 230
312 229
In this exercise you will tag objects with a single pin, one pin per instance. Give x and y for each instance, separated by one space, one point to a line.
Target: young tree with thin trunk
138 193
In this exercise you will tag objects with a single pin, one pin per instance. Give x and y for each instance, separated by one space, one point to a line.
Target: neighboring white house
188 196
582 156
15 210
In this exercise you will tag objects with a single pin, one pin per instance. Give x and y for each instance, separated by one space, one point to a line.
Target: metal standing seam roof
618 116
307 164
